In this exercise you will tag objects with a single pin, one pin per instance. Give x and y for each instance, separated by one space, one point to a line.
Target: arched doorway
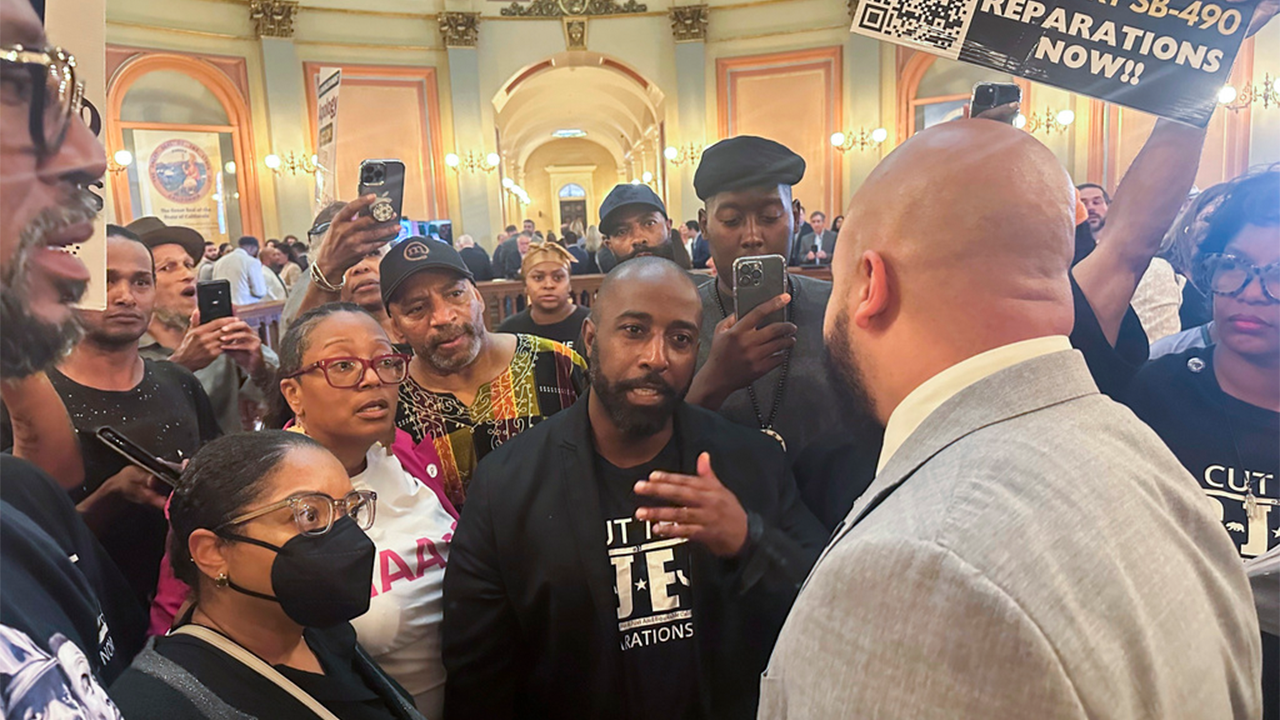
188 128
577 122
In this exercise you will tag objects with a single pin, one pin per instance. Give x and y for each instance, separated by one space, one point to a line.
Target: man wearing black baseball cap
634 222
468 390
769 377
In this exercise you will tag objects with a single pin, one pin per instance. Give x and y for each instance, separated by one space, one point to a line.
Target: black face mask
320 580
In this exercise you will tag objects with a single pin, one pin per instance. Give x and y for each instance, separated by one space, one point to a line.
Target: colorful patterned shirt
544 377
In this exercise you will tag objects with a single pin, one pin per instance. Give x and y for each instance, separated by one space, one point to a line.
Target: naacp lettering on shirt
655 598
392 566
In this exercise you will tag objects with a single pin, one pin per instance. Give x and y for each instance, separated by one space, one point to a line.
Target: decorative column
287 121
689 28
479 193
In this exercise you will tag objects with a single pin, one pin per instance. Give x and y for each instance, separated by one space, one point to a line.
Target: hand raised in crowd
741 353
351 237
202 344
705 511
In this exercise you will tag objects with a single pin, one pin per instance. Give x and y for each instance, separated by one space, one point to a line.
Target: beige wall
565 152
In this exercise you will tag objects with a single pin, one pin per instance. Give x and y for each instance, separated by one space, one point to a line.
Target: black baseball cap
153 233
628 194
413 255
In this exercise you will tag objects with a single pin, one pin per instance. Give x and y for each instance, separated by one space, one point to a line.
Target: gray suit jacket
1032 551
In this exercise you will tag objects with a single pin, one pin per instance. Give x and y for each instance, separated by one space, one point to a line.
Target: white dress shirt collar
932 393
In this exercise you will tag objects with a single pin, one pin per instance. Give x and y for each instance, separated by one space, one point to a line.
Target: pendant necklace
766 425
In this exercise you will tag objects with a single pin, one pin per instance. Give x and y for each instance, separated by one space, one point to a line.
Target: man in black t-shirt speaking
1218 408
157 404
631 557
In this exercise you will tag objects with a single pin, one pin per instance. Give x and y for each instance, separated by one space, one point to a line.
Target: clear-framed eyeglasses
45 79
315 513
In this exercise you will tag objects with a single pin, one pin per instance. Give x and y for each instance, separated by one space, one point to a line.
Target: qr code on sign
937 26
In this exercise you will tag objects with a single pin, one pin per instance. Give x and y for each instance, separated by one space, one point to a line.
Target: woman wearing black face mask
269 535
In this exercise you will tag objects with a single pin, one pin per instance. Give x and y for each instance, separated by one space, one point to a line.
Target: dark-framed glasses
1230 275
315 513
45 79
348 372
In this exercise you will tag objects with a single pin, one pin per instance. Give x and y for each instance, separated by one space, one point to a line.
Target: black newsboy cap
743 162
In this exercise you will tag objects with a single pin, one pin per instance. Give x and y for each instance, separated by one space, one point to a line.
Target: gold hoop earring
222 580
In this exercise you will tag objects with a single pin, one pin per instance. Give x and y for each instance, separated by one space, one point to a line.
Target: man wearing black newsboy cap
769 377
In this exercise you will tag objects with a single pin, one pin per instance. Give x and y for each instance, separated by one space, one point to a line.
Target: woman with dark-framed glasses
1218 407
269 533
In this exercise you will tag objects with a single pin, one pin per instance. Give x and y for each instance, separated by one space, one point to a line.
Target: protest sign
1167 57
327 85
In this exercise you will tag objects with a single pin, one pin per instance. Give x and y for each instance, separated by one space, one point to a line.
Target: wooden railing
504 298
264 317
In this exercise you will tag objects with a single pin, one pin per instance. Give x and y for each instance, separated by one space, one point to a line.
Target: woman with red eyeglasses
339 379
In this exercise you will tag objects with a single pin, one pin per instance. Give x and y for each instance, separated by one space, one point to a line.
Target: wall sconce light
647 177
291 163
120 161
1267 93
687 153
844 142
510 186
1049 122
473 161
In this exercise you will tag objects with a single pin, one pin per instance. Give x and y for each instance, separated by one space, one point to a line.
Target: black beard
841 363
631 420
28 344
663 250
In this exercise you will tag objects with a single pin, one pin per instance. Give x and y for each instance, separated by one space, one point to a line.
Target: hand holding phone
213 298
139 457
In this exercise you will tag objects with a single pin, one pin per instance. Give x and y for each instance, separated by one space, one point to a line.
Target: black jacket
530 622
477 261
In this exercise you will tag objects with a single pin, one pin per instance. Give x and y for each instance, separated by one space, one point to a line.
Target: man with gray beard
226 355
468 390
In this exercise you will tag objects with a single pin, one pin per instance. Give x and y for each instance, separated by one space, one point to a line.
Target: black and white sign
1167 57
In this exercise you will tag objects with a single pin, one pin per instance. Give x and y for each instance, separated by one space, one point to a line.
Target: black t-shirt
342 689
1231 449
169 415
565 332
655 597
56 649
1229 446
26 488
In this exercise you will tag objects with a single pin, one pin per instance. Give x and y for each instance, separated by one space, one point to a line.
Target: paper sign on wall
327 85
80 26
1167 57
180 180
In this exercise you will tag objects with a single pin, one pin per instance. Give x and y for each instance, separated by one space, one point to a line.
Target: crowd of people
996 468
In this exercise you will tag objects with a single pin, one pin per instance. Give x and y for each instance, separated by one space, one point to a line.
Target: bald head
960 241
637 276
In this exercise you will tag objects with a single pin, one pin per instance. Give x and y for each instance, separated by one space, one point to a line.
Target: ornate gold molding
575 8
689 22
460 29
273 18
575 33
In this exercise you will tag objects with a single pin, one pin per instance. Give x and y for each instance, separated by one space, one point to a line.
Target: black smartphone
756 280
988 95
385 179
213 298
134 453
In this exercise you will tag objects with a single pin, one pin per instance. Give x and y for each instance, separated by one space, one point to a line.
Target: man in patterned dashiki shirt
468 390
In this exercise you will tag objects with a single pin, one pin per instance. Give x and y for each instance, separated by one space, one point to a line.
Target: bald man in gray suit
1028 549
